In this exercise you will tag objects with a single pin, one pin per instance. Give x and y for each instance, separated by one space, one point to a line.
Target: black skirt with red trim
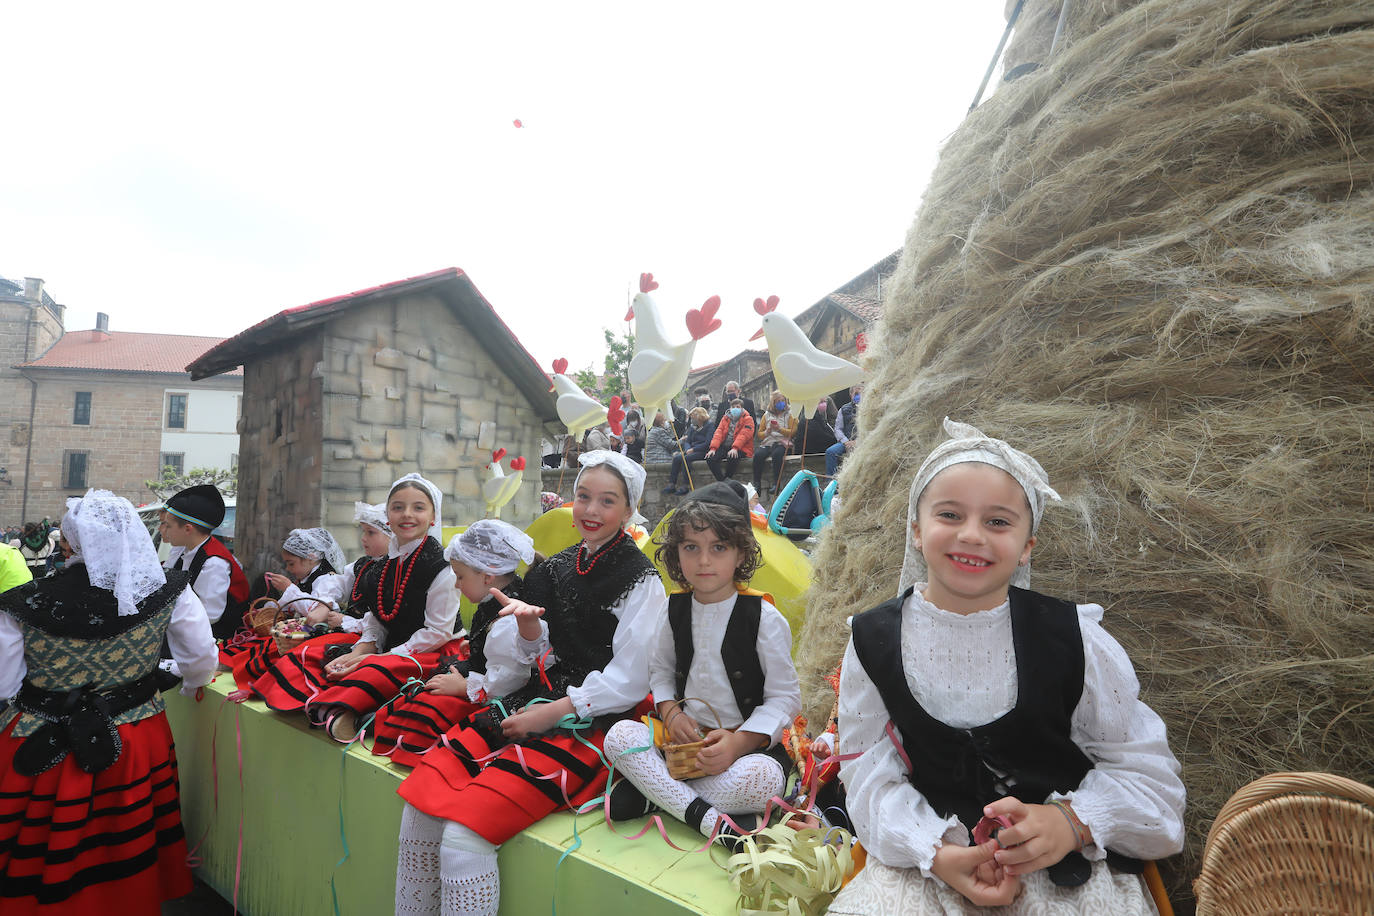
251 656
297 677
379 680
498 792
108 842
410 725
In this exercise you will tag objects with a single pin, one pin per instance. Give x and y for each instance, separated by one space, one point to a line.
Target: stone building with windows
99 408
344 395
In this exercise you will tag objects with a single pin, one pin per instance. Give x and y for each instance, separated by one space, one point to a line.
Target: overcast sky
193 168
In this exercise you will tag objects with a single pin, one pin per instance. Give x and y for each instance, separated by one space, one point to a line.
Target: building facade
345 395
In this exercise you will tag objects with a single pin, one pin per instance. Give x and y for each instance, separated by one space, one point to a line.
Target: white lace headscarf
436 530
315 544
968 444
107 534
491 546
67 533
631 471
368 514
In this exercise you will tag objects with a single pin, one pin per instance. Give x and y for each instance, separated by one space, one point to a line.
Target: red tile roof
862 306
124 351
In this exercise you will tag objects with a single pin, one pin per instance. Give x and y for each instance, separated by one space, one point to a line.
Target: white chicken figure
801 371
658 370
578 412
501 487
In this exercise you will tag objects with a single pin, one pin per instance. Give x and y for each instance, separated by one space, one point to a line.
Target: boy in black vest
721 671
216 577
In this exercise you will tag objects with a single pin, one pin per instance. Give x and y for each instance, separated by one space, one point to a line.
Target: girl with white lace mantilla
1011 711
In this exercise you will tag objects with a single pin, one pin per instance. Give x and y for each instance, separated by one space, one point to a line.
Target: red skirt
251 656
501 797
297 677
409 726
107 842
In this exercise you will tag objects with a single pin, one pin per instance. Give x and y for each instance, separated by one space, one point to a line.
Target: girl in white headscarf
595 606
975 705
483 557
411 616
78 652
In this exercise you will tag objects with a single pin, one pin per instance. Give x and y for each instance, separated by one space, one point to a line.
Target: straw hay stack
1151 265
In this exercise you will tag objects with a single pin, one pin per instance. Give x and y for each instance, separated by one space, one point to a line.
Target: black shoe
628 802
731 839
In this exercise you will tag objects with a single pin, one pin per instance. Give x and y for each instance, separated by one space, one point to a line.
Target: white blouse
962 669
625 679
505 671
707 677
188 634
441 612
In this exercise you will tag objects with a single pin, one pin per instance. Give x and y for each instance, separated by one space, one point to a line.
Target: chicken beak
630 315
757 334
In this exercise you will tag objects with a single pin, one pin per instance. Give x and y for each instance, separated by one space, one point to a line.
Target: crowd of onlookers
726 434
39 542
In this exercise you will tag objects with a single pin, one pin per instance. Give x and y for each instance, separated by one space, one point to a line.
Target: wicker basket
682 758
1290 843
261 615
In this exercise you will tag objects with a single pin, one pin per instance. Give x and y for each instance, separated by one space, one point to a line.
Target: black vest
953 768
411 615
487 613
738 650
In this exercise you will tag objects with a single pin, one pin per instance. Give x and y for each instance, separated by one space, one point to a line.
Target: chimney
102 321
33 289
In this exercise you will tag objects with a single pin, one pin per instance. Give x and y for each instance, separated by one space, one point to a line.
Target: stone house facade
90 408
345 395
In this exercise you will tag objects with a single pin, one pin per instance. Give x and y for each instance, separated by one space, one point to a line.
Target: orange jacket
744 434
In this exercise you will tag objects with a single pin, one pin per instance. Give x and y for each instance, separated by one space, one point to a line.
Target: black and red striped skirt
501 796
107 842
408 726
249 657
298 680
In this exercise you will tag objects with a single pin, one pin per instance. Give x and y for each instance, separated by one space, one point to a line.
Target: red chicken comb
498 455
615 416
763 308
560 366
647 283
517 464
703 321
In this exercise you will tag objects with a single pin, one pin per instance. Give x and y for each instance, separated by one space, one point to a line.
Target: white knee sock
467 865
417 863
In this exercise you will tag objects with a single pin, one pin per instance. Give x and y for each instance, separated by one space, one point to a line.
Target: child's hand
320 614
448 684
723 747
345 663
277 582
526 615
334 620
733 453
682 728
973 871
1040 835
535 718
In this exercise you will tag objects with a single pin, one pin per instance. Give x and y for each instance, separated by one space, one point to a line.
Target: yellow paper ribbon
796 872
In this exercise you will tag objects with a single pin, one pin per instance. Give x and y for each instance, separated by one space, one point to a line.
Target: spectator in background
37 544
679 420
659 444
692 447
735 437
598 437
846 432
774 442
815 434
732 394
633 434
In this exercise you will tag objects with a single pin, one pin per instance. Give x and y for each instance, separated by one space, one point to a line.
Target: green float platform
287 805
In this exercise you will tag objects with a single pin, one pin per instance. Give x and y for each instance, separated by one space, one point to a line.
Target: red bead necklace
355 595
582 551
398 589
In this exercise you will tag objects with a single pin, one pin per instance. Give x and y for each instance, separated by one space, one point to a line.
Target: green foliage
619 351
170 482
586 380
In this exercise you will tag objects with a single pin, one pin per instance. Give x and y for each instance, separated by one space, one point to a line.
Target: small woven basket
682 758
1290 843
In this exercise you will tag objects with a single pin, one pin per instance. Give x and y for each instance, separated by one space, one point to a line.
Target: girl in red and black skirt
483 557
411 610
90 816
601 602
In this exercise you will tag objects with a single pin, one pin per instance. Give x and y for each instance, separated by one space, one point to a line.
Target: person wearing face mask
732 393
814 434
735 434
774 441
846 432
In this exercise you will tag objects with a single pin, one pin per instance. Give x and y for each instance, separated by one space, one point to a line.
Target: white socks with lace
444 867
744 788
417 863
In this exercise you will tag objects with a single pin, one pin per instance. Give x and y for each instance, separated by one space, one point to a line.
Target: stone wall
279 452
27 330
656 504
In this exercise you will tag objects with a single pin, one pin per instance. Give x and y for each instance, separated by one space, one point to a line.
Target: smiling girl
411 609
599 603
970 698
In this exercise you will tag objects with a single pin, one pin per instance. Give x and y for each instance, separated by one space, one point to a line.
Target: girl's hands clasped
974 872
